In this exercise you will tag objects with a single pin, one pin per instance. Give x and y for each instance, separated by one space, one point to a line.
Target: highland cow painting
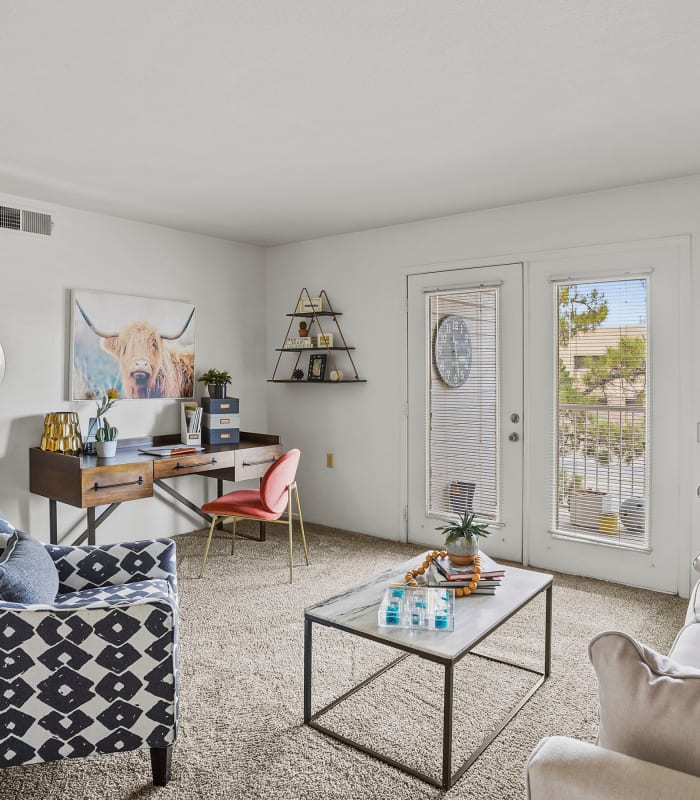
140 346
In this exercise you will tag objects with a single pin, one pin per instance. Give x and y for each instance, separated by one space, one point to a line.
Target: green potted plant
462 538
106 434
303 328
216 381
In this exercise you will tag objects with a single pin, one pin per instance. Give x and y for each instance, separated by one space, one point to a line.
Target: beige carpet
241 681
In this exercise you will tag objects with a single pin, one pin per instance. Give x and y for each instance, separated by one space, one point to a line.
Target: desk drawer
253 462
193 463
113 484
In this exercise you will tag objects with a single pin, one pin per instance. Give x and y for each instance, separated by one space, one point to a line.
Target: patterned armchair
95 671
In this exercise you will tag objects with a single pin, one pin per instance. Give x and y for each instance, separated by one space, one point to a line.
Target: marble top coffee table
355 611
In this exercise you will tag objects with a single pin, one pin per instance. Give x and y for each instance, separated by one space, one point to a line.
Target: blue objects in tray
419 608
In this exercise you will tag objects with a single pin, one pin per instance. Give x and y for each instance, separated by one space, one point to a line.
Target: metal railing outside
602 450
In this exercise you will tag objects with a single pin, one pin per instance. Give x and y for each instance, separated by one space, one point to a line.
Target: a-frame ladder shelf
320 312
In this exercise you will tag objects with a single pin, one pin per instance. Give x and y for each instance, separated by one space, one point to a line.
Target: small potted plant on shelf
303 328
106 434
462 542
216 381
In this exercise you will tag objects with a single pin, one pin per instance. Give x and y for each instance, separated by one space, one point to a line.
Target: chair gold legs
290 525
301 524
289 519
206 549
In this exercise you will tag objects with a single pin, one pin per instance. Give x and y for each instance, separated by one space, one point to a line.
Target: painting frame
140 347
317 367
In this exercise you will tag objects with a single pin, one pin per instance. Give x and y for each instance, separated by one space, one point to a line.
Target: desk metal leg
89 532
261 525
53 522
91 525
181 498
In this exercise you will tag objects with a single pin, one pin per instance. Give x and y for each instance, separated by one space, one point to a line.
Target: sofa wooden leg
161 760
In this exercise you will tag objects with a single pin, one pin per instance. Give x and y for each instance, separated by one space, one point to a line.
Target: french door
465 403
608 391
551 399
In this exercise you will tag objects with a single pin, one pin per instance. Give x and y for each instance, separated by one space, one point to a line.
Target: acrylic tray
421 608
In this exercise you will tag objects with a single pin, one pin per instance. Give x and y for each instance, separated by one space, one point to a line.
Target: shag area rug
241 685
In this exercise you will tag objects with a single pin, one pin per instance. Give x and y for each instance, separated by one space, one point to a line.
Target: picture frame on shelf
317 367
325 340
309 305
90 439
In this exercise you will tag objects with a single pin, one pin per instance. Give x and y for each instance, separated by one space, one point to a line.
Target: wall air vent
34 222
16 219
9 218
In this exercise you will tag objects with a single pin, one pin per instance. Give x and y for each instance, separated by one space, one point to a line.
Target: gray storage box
219 421
221 436
223 405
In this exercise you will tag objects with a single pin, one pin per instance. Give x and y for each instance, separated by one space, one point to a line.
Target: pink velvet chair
266 504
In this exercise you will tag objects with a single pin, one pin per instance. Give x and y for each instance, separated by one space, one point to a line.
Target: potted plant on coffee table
462 538
216 381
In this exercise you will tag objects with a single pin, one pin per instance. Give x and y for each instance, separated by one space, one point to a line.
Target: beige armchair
648 745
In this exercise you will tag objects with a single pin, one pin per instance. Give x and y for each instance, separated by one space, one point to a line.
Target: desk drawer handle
196 464
258 463
96 486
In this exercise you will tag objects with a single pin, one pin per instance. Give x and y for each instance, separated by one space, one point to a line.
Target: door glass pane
462 384
601 490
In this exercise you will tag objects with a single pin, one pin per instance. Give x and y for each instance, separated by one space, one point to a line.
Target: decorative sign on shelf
296 342
308 305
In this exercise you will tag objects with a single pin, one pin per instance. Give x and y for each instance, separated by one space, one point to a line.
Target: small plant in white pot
106 434
462 538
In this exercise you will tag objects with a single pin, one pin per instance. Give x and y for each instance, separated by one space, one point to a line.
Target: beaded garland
460 591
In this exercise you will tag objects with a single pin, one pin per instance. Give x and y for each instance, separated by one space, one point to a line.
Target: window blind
600 449
462 413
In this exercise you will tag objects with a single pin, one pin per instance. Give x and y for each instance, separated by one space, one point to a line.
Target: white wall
364 273
226 282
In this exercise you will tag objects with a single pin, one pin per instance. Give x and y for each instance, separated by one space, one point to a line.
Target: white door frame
505 282
686 491
417 269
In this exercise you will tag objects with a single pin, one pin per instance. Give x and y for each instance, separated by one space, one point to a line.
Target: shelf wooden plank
289 380
311 349
311 314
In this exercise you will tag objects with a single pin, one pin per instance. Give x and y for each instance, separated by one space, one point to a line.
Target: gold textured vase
61 433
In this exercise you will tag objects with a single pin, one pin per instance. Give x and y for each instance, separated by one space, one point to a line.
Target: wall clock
453 351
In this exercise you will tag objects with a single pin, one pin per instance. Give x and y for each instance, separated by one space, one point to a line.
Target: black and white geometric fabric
96 671
114 564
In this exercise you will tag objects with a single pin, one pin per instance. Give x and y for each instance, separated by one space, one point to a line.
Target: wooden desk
86 481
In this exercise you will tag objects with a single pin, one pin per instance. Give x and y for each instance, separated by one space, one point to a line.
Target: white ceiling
270 121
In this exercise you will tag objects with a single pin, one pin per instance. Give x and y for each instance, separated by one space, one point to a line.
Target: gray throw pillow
649 704
27 572
6 530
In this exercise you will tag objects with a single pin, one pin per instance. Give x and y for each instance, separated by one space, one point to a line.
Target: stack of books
445 573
